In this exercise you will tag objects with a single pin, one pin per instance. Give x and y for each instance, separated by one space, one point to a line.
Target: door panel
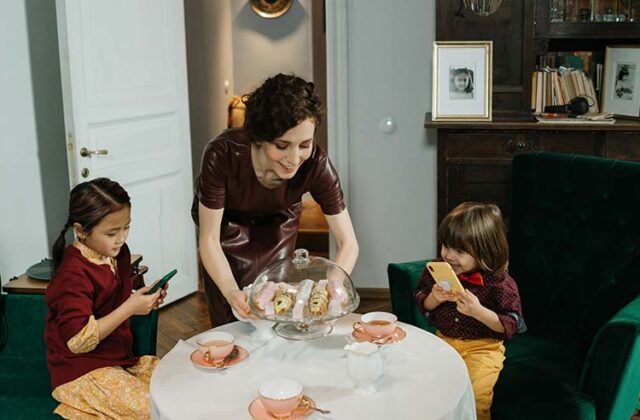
125 91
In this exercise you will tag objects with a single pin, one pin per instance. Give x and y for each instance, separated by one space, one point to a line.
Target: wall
392 178
210 64
33 174
263 47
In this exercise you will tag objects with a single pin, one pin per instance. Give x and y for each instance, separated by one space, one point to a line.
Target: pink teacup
216 345
376 324
280 396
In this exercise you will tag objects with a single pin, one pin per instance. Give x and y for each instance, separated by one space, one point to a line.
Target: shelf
591 30
512 124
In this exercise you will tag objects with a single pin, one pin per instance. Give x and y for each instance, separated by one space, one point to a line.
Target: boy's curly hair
282 102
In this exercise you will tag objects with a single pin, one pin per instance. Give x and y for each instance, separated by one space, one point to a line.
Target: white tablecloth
425 378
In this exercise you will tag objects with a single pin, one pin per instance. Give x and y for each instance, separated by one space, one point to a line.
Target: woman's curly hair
282 102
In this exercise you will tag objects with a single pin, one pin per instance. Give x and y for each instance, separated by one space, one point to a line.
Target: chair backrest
574 237
23 317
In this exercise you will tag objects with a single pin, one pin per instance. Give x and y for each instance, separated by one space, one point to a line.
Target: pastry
304 291
319 301
337 291
266 294
283 301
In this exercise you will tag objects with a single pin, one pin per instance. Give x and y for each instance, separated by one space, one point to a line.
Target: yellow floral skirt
108 393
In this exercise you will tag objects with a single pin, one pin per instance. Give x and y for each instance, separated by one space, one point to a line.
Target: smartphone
444 275
160 283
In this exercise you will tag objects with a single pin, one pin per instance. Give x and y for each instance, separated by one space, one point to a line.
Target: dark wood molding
372 293
506 124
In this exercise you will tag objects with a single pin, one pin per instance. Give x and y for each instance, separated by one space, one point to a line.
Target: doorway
230 51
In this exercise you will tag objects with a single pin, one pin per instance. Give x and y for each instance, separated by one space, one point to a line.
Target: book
563 119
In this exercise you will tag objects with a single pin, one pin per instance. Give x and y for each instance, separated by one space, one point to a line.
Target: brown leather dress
259 225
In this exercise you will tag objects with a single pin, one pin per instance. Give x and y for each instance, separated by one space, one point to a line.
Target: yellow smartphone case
444 275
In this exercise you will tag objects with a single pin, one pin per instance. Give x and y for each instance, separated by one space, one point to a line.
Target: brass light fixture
270 8
478 7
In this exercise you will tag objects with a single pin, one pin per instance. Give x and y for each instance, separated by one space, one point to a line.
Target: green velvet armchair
574 236
25 391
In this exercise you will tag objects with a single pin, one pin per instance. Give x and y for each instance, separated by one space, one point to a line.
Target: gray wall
263 47
210 64
34 183
392 178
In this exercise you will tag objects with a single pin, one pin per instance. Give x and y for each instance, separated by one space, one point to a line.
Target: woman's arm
342 229
215 262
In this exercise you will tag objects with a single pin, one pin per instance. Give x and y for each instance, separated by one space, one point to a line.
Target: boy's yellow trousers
484 359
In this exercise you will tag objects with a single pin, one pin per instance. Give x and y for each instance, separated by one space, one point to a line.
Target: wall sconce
270 8
478 7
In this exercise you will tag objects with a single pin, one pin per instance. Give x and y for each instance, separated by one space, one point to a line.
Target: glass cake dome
303 294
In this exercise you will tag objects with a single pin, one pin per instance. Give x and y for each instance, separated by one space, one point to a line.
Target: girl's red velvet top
79 289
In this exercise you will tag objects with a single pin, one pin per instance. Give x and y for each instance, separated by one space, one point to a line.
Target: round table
425 378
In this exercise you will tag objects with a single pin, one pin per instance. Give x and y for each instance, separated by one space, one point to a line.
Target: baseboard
374 293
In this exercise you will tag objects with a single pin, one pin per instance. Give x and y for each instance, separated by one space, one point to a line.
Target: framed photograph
462 77
621 86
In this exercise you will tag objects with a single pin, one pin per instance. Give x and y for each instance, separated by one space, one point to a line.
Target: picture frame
621 81
462 80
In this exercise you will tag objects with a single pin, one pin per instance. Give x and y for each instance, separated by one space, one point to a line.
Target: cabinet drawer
575 142
624 146
488 144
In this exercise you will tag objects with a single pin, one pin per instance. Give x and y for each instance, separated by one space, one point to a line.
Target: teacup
216 345
376 324
280 396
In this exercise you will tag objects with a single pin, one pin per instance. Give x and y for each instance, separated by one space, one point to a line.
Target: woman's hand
469 304
440 295
141 304
238 301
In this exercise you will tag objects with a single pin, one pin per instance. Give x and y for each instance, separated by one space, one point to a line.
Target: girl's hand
141 304
163 294
469 304
238 301
441 295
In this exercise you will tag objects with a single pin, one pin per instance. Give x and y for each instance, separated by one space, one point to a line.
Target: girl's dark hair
282 102
89 203
477 229
624 71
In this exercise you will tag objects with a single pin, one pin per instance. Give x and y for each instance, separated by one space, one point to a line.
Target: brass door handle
84 152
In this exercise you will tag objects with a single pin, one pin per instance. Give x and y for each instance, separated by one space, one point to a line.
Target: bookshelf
474 159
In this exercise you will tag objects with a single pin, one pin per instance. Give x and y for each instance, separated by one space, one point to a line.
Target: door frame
338 94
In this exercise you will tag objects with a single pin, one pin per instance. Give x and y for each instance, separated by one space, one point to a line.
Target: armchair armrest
403 280
145 333
611 373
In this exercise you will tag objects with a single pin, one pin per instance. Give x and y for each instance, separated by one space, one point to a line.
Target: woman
248 195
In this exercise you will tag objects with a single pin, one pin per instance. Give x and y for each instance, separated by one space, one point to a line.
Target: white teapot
365 365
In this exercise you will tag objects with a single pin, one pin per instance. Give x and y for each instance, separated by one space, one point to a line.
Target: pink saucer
397 335
237 355
259 412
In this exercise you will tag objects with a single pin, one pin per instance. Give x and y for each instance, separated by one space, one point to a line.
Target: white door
125 103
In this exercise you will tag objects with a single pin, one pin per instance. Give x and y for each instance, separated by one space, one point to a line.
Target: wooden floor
187 317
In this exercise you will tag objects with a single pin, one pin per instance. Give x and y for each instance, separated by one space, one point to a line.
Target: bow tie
473 278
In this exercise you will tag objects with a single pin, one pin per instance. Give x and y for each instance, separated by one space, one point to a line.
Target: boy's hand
441 295
468 304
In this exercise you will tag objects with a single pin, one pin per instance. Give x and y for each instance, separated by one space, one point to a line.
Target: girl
461 84
623 87
475 323
94 372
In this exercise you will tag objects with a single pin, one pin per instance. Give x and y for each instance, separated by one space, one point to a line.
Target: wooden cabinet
474 159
